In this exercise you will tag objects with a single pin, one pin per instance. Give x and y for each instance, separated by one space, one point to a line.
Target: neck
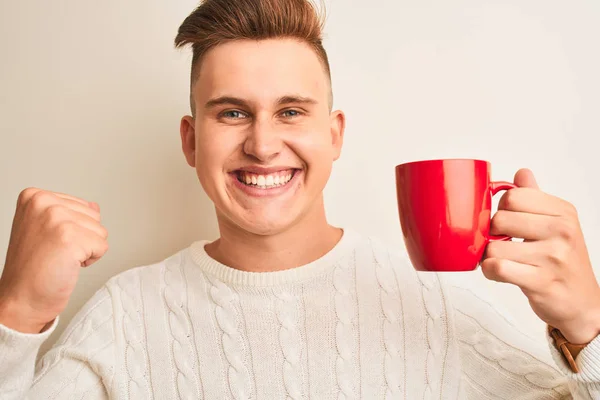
305 241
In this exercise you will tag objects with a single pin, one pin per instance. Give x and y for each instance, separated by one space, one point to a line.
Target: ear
338 126
188 139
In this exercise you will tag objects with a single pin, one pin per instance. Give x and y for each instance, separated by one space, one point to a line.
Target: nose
263 142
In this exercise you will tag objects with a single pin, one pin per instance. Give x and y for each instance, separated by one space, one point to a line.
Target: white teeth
265 181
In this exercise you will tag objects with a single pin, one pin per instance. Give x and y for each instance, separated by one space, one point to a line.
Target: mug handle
496 187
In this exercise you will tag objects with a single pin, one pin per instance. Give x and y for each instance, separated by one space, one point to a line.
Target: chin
263 222
266 227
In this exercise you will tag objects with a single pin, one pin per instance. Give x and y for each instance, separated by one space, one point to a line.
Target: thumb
524 178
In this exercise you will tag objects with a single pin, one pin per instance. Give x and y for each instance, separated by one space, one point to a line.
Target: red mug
445 212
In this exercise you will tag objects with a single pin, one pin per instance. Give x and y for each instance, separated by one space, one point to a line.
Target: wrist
13 317
582 332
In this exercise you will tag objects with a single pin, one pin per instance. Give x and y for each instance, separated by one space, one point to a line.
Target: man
283 305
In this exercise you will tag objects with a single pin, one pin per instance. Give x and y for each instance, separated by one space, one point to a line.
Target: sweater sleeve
500 361
80 365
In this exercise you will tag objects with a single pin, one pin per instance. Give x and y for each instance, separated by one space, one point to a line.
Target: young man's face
263 139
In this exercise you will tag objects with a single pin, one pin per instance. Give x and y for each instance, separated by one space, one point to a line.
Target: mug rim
438 160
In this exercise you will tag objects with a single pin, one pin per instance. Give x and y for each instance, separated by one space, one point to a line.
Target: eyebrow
236 101
225 100
295 99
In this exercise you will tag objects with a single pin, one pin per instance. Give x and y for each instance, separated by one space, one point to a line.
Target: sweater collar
232 276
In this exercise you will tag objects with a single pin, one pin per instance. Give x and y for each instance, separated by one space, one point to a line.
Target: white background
91 94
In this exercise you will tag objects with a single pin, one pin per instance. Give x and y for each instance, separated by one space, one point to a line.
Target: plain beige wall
92 93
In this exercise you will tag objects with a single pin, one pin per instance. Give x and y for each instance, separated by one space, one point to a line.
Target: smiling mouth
266 181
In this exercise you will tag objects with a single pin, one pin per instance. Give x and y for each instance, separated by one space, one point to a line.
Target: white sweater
357 323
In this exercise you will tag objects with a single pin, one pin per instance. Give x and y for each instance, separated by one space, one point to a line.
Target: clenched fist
53 236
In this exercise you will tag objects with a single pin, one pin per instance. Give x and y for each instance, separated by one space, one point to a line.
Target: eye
291 113
233 114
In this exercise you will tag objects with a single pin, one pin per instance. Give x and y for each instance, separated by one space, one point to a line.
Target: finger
530 253
41 199
525 178
523 225
26 195
92 225
91 260
72 198
96 247
80 208
534 201
86 222
525 276
90 204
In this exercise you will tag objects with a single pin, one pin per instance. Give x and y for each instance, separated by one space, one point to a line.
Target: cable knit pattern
393 327
230 321
357 323
519 363
434 331
182 345
345 310
136 358
289 315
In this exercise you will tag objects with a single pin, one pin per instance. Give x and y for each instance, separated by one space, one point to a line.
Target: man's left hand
551 266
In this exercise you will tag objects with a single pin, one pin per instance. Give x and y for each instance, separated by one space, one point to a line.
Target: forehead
261 71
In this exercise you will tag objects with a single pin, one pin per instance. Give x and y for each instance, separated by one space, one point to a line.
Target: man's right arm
53 236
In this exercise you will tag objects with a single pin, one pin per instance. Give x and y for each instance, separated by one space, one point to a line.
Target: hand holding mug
444 208
551 266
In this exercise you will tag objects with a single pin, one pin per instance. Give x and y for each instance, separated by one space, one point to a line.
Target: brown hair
216 22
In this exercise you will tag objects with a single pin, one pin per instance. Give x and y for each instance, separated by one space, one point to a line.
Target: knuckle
40 199
554 282
25 195
564 228
55 214
65 232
